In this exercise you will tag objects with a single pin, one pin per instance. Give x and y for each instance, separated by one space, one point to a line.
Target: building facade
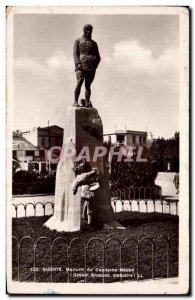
127 137
45 137
26 153
30 148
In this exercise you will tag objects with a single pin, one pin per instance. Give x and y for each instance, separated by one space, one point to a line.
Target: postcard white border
179 286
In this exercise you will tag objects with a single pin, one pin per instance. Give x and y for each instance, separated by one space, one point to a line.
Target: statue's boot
76 104
88 104
82 103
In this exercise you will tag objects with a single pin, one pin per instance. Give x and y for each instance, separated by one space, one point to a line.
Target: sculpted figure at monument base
79 182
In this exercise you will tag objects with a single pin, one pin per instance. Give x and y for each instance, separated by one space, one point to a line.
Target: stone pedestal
83 127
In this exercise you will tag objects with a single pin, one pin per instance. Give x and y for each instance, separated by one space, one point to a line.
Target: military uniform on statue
86 58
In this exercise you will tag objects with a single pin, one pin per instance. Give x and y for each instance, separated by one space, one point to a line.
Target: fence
33 206
133 193
141 199
160 259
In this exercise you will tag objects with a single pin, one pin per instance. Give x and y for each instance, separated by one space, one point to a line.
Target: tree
164 151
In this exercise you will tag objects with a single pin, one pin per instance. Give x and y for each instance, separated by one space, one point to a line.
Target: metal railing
34 207
133 193
165 206
155 258
143 197
122 199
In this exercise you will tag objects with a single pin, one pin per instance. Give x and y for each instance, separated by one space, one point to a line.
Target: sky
137 82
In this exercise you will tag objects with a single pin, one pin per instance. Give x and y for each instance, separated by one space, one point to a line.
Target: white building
26 153
127 137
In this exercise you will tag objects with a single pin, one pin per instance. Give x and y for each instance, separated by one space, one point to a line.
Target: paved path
165 180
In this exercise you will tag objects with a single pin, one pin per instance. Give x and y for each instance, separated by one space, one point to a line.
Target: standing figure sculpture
86 58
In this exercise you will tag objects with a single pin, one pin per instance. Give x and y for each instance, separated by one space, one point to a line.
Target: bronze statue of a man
86 58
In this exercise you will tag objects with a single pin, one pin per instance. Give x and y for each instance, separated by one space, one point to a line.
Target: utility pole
49 147
48 136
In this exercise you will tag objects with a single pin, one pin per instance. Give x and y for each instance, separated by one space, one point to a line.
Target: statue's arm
76 55
83 179
97 55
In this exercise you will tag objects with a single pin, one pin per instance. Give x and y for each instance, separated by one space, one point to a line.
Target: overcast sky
136 84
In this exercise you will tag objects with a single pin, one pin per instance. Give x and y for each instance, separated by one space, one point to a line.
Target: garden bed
138 226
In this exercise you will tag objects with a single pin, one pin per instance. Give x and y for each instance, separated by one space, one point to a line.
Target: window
57 142
134 139
42 153
140 139
120 139
144 139
29 153
42 141
37 153
20 153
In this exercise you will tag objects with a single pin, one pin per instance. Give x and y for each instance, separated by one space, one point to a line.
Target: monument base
55 224
113 225
83 131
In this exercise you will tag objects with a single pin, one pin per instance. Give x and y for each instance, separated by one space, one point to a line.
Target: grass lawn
138 225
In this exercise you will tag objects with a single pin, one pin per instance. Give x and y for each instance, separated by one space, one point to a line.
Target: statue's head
87 29
81 166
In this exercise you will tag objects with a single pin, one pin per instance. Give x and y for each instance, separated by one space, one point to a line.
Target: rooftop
124 131
20 143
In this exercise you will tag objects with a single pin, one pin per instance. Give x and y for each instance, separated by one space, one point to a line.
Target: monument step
113 224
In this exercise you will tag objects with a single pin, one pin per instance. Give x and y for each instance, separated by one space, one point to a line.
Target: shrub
25 182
